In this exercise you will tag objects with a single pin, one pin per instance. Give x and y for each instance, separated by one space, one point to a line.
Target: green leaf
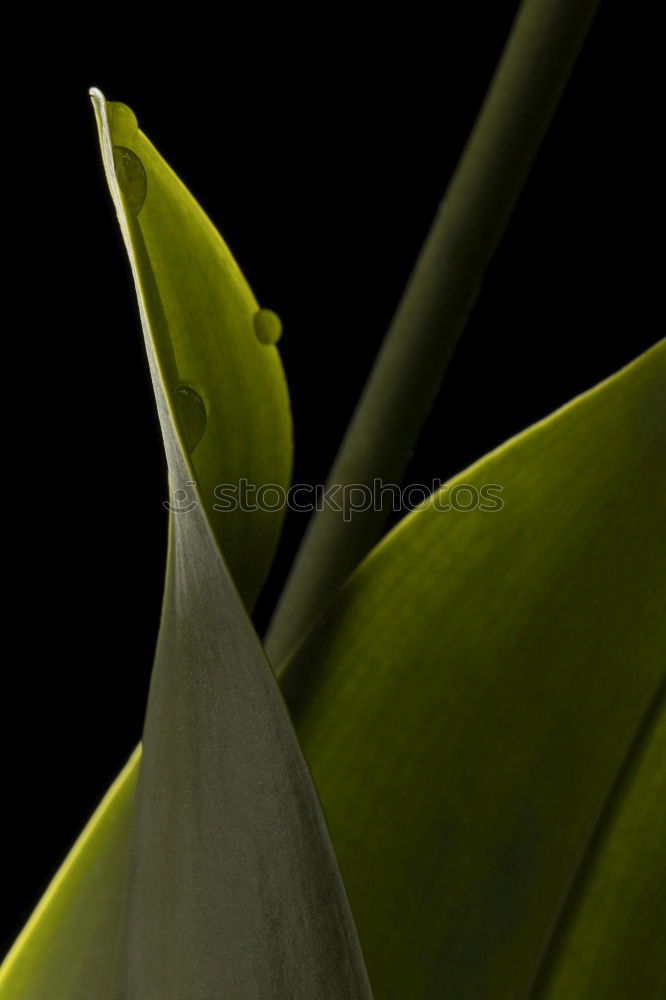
235 889
197 314
469 698
223 383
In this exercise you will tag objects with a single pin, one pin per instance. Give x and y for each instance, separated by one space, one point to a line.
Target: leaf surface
469 698
610 942
235 890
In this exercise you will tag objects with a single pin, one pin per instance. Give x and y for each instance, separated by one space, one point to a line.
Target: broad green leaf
468 699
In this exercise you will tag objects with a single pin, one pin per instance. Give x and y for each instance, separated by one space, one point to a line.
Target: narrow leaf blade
235 889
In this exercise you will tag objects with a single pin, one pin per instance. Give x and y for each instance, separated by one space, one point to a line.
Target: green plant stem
534 68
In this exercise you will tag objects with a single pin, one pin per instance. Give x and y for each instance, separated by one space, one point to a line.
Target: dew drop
267 326
131 177
191 413
122 123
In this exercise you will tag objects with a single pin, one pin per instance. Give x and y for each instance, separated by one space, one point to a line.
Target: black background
322 162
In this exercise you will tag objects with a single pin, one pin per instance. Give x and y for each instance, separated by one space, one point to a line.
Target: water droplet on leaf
122 123
267 326
131 177
191 413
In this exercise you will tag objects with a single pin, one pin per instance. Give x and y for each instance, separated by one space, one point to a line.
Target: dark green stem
407 374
